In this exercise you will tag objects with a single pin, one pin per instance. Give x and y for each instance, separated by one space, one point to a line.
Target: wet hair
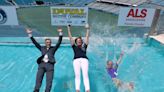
78 38
108 61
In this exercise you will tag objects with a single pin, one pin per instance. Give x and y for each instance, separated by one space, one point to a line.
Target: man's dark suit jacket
51 50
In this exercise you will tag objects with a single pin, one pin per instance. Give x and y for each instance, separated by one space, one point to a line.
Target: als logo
3 16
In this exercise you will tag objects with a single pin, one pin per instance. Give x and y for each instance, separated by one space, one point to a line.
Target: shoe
36 90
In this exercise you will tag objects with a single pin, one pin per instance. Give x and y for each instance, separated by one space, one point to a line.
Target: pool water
142 63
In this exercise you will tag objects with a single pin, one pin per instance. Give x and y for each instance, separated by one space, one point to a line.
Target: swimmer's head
78 41
48 42
109 64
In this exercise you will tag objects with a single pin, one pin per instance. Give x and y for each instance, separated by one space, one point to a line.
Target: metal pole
153 30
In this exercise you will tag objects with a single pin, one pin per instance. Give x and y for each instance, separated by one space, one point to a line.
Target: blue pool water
142 63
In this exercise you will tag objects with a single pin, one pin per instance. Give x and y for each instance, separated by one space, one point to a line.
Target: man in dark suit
46 61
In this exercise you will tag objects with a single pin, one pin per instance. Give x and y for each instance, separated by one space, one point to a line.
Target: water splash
112 43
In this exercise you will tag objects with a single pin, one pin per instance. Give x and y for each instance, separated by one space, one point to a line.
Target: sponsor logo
3 16
69 15
136 13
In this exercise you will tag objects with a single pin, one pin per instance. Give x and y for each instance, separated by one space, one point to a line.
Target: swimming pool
142 64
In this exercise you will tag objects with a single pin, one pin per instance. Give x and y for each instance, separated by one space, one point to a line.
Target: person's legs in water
117 82
76 66
120 84
84 66
130 86
127 86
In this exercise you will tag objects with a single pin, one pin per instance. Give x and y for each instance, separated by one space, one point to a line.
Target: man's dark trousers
48 69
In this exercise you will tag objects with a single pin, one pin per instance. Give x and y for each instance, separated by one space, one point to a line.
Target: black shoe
36 90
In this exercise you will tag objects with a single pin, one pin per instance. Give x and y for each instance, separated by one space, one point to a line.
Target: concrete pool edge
157 41
159 38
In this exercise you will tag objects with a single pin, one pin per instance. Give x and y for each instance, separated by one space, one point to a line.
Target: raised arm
70 35
60 38
29 32
87 33
120 58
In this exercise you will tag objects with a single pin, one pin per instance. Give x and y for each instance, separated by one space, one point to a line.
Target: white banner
76 16
8 15
140 17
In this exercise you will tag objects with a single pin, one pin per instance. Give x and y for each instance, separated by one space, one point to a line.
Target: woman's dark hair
78 38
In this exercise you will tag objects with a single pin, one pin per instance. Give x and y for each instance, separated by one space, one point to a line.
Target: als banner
140 17
8 15
76 16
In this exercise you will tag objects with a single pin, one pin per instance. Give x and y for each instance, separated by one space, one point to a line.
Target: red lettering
137 14
131 13
143 13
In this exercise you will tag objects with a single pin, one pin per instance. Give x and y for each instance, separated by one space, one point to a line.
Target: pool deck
159 38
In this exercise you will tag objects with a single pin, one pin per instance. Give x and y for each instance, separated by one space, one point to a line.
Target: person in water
80 61
112 71
47 60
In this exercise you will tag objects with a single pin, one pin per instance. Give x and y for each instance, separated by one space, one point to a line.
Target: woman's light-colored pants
81 64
